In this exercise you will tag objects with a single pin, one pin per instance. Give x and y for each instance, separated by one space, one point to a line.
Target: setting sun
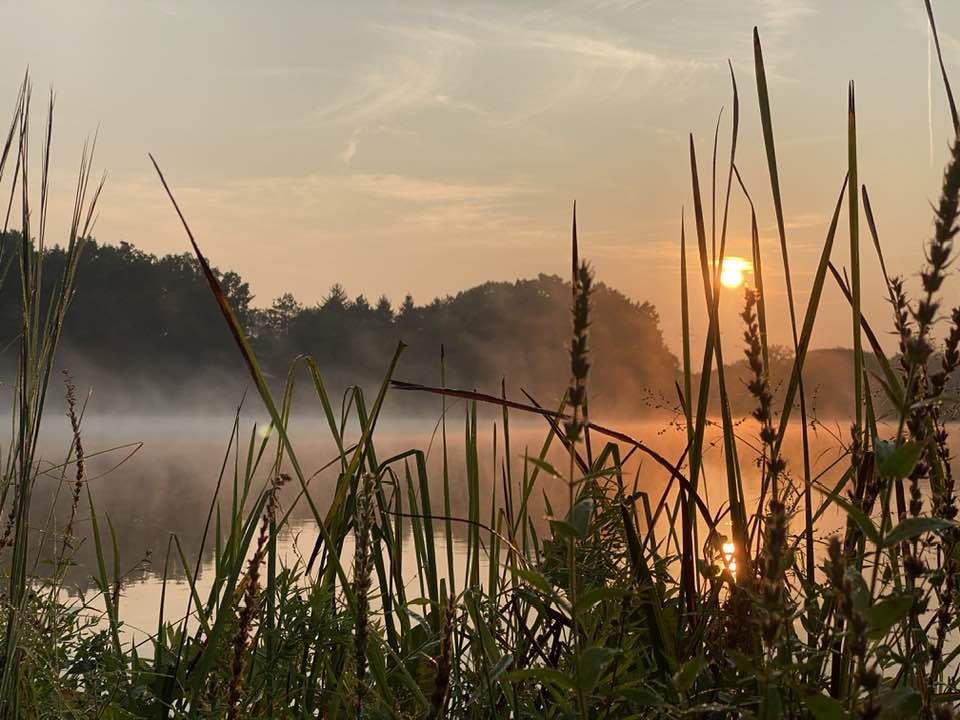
729 557
732 271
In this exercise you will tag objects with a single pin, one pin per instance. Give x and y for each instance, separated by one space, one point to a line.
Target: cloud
407 76
803 221
347 154
422 192
429 61
347 204
453 104
599 51
383 92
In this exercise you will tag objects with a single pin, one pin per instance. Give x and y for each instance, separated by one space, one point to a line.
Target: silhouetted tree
337 299
384 309
282 312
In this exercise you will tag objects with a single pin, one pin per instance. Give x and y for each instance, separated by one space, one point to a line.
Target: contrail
930 90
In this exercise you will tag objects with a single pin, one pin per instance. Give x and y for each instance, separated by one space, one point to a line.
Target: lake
155 477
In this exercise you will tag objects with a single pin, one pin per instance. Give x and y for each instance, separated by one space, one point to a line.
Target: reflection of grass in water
639 597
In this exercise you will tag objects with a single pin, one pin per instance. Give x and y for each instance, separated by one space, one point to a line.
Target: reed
74 417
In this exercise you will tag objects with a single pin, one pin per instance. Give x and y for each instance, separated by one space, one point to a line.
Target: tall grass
622 605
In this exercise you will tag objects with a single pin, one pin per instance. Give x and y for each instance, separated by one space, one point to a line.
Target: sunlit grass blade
943 69
853 207
685 333
766 119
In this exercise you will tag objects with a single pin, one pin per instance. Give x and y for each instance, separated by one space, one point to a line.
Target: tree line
139 322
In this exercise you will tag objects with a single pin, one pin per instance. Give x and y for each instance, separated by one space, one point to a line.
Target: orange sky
430 146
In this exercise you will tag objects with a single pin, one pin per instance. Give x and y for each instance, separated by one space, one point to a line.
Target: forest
143 327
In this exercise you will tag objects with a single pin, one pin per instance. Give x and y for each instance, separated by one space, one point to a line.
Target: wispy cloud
419 65
454 104
349 152
601 52
407 76
332 202
382 92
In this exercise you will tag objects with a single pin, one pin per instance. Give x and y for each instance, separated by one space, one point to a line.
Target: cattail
916 423
759 387
902 322
944 501
273 502
919 349
78 446
739 622
775 548
363 520
938 258
5 538
579 360
245 622
249 610
951 356
441 685
577 397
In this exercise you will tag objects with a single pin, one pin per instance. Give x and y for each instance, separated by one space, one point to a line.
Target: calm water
156 477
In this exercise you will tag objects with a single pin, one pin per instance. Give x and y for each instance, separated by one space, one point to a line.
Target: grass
623 605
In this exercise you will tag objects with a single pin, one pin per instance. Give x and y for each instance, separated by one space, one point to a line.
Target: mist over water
153 470
156 476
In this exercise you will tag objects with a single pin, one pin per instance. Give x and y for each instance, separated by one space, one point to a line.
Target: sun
732 271
730 556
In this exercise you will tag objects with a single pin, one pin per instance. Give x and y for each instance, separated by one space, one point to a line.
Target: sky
429 146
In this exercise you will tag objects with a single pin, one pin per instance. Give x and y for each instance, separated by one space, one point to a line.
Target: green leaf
580 516
563 530
532 577
888 612
899 462
823 707
913 526
688 673
865 524
592 662
544 466
592 597
501 667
